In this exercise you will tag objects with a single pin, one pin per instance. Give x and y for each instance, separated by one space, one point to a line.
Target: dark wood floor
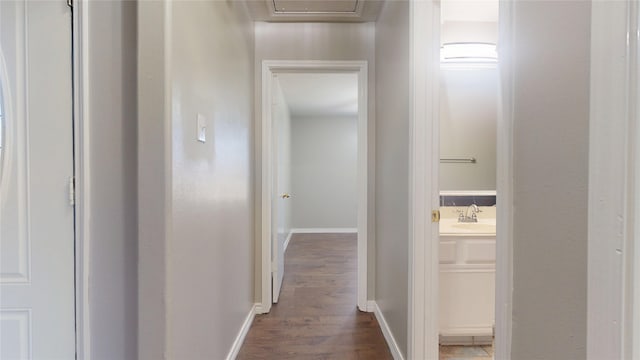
316 316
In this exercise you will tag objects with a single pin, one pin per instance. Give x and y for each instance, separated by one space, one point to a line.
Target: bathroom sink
476 227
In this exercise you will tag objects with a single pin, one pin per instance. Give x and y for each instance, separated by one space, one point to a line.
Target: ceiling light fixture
468 52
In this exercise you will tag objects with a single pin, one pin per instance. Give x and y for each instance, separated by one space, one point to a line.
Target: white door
37 319
281 212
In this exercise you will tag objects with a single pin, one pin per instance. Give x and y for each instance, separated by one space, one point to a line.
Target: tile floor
466 352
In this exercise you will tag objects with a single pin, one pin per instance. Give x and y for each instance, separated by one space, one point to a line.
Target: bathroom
468 126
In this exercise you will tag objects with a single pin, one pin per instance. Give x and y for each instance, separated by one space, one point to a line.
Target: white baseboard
324 230
465 340
259 309
237 343
371 306
286 242
388 336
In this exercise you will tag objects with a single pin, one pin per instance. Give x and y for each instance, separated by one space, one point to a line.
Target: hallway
316 316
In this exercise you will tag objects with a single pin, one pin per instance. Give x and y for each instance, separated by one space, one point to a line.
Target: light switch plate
201 128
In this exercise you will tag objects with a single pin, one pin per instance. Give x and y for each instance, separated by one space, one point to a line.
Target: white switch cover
202 128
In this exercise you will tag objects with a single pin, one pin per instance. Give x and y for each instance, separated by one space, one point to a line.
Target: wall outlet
201 128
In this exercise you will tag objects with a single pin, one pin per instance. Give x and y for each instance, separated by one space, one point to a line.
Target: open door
281 205
37 318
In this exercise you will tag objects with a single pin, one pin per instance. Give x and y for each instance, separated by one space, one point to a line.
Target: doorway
426 249
275 197
36 197
468 127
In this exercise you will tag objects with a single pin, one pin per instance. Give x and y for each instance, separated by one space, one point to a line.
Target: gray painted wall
212 235
315 41
196 199
392 167
469 31
324 172
551 129
112 181
468 120
154 195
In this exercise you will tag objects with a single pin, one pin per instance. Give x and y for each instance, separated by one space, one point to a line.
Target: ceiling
312 95
362 10
315 10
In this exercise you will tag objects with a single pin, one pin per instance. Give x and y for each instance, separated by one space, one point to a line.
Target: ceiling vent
314 10
315 6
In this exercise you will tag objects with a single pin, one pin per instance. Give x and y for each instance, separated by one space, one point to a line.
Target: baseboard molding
259 309
386 331
371 306
286 242
237 343
324 230
465 340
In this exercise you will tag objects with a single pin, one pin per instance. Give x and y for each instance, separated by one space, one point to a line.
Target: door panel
37 317
281 212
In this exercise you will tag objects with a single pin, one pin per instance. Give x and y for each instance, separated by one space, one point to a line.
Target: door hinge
70 3
72 191
274 267
435 216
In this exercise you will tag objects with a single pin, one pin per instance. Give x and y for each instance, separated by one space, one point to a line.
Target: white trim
504 185
371 306
466 340
386 331
266 189
613 187
81 141
259 309
269 68
631 334
423 326
287 240
242 334
324 230
468 193
471 331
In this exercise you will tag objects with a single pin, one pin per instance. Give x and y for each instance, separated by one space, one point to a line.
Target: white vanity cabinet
467 288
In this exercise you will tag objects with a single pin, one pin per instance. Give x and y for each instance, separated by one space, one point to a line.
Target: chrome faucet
464 217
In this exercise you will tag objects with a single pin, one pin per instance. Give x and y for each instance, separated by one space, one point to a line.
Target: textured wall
468 114
196 199
324 172
112 182
392 167
212 182
550 152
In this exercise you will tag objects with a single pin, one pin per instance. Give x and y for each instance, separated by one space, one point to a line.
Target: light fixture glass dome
468 53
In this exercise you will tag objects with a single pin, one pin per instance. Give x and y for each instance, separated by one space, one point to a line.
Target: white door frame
82 170
424 196
504 183
423 319
613 296
269 69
